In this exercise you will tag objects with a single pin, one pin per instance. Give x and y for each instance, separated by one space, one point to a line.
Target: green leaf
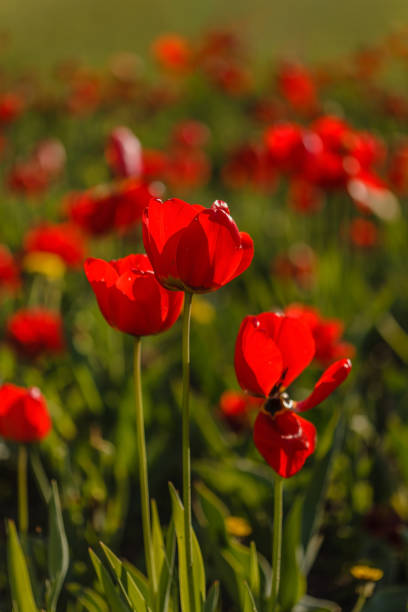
88 598
293 583
127 585
213 598
58 551
20 585
139 579
111 593
254 577
157 537
214 512
167 570
316 493
249 601
198 566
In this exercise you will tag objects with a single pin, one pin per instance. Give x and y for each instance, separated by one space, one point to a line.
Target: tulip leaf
139 579
127 585
113 598
167 569
198 566
214 513
254 577
316 493
213 598
249 601
20 585
58 551
89 599
157 538
293 583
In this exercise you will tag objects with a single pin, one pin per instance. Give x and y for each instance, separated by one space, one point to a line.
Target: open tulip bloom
272 349
193 248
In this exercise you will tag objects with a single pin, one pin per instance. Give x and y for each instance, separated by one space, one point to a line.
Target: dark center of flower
279 401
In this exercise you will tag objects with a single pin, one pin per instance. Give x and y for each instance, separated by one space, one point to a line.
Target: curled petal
285 441
258 360
327 383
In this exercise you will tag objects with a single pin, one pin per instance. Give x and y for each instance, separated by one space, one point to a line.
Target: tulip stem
277 543
186 446
22 489
144 484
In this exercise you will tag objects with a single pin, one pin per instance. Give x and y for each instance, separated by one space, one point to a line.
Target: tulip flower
132 300
35 332
9 270
271 351
23 414
129 296
24 419
61 239
193 248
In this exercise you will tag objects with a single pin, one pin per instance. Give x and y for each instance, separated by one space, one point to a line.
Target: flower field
204 331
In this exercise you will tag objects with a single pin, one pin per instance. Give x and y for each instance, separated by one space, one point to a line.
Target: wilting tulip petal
327 383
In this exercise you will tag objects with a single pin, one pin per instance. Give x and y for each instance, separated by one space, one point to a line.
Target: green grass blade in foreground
58 551
19 580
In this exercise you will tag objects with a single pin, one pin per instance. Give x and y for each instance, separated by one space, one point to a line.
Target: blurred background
45 31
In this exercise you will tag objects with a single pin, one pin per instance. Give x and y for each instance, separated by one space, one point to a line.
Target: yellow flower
364 572
237 526
202 310
47 264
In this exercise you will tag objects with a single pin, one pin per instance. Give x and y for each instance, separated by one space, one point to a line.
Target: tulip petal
246 252
284 440
294 341
258 360
327 383
102 276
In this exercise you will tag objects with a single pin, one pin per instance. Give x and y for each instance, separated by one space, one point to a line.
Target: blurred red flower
9 270
107 208
11 106
173 53
129 296
363 233
271 351
297 86
62 239
193 248
236 408
190 133
326 333
34 332
298 264
23 414
123 153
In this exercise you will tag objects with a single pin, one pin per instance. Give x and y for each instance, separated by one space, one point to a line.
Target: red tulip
11 107
173 53
363 233
129 296
271 351
23 414
193 248
35 332
236 408
297 86
9 270
123 153
62 239
191 134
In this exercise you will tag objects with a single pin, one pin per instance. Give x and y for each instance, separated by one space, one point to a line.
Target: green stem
277 543
40 475
144 485
22 489
186 445
359 603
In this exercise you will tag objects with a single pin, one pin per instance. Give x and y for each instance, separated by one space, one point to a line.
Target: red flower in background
297 86
271 351
236 408
298 264
11 107
23 414
34 175
129 296
9 270
191 134
173 53
187 168
62 239
363 233
326 333
193 248
123 153
107 208
250 165
34 332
